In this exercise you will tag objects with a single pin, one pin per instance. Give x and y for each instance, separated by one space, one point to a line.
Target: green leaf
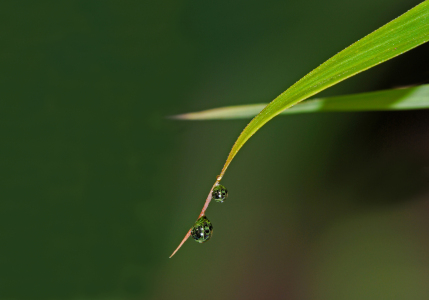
396 99
400 35
396 37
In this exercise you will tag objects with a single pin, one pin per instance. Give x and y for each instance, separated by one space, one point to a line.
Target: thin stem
183 241
206 205
209 198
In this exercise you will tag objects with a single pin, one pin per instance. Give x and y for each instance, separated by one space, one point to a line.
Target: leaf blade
396 37
395 99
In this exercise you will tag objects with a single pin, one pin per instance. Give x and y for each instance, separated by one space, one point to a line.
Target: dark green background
97 187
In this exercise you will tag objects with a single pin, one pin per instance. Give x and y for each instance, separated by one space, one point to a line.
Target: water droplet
202 230
219 193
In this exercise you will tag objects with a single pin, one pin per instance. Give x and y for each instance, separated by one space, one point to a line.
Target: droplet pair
203 228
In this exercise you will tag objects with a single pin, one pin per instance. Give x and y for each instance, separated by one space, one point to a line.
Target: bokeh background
97 187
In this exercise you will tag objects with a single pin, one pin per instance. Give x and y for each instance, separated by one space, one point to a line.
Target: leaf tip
179 117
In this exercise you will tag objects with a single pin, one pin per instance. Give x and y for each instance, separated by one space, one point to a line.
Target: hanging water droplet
219 193
202 230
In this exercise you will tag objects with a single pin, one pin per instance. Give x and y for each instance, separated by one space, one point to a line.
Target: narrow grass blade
396 37
396 99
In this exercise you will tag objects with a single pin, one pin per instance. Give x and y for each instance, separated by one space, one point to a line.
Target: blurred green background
97 187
